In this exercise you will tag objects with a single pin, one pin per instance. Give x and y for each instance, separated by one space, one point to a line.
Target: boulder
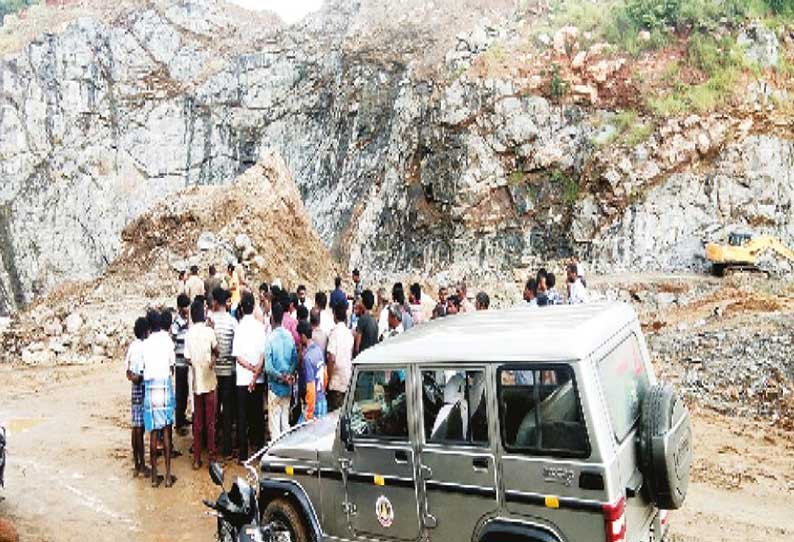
73 323
566 40
242 242
603 69
100 339
259 262
587 91
760 45
56 346
206 241
40 357
53 328
578 60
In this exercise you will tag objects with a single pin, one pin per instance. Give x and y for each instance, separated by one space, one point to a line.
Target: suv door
545 449
625 379
457 462
381 484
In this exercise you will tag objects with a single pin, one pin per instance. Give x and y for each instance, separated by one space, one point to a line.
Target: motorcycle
237 510
2 454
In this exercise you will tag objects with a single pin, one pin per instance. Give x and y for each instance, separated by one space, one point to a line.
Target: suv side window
379 406
624 381
454 406
540 412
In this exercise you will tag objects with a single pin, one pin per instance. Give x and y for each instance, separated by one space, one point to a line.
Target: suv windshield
625 381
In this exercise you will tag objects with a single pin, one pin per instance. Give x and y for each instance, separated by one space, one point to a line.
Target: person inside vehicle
394 414
482 301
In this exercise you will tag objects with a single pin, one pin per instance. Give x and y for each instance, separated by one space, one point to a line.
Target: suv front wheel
284 515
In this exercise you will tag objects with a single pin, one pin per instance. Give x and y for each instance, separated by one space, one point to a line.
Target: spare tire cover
665 447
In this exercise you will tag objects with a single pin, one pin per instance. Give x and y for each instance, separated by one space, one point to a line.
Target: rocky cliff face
410 155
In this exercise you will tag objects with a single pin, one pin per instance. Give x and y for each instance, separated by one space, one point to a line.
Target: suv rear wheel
284 515
665 447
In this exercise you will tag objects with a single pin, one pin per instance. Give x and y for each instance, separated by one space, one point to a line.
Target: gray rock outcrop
406 158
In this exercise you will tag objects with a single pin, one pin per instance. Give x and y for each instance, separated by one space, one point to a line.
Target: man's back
368 328
320 338
178 331
578 293
248 344
158 356
212 282
290 324
338 297
194 287
199 343
280 357
225 327
340 345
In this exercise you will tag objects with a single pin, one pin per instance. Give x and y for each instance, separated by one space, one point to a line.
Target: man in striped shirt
225 326
178 332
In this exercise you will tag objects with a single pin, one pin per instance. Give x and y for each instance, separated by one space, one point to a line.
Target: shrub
568 185
12 6
558 86
781 7
654 13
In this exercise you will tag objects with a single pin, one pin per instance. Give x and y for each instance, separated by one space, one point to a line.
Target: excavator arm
759 245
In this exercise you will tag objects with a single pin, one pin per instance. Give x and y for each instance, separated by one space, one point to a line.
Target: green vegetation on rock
8 7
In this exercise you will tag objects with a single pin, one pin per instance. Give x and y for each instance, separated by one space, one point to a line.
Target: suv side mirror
216 474
345 433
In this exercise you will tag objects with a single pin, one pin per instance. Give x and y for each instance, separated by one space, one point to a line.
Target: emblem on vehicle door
384 511
559 475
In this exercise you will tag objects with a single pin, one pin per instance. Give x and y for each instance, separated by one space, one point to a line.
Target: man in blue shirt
338 297
281 362
314 374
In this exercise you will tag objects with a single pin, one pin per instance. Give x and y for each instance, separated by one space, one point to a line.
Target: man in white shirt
530 293
577 293
395 321
248 350
194 286
134 364
339 360
326 317
159 359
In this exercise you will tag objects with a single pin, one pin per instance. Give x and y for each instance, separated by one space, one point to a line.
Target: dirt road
70 477
70 471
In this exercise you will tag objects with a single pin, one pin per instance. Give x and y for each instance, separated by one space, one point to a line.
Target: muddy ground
70 476
726 344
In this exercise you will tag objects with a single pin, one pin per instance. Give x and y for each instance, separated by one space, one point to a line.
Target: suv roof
566 333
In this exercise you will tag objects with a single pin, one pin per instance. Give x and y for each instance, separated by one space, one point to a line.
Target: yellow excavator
743 251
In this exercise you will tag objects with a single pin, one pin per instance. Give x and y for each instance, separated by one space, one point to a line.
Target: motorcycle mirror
344 432
216 473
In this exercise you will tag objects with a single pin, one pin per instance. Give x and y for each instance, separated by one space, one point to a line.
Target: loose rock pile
260 214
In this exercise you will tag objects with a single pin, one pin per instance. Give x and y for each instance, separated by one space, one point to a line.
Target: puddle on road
20 425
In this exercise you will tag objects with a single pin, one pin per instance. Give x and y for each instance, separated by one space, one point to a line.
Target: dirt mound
263 205
260 218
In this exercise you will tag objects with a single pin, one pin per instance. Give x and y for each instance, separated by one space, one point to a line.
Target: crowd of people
252 365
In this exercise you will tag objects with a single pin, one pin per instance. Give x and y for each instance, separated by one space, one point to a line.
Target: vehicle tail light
615 521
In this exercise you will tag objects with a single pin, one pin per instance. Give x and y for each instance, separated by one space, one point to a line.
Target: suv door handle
401 456
480 463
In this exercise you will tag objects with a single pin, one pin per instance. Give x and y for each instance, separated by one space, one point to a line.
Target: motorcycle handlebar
209 504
